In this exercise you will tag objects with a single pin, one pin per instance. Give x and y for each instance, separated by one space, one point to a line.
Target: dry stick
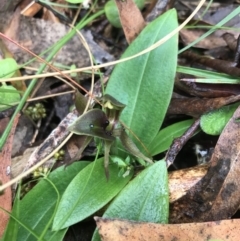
180 142
237 53
160 42
234 45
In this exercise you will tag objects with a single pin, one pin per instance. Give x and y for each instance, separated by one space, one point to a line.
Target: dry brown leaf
217 195
210 42
196 106
206 90
120 230
3 124
179 182
131 19
5 165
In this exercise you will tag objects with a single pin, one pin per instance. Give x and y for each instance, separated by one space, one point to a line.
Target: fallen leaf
120 230
131 19
196 106
216 196
5 168
212 41
181 181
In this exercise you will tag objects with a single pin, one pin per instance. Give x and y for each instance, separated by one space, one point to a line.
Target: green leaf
7 97
144 199
74 1
165 137
112 14
214 122
37 207
8 67
144 84
87 193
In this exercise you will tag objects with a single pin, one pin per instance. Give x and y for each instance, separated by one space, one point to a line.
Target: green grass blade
165 137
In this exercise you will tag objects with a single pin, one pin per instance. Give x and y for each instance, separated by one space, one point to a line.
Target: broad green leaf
87 193
7 97
8 67
112 14
214 122
37 207
144 84
165 137
145 198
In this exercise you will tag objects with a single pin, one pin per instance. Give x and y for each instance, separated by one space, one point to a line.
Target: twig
180 142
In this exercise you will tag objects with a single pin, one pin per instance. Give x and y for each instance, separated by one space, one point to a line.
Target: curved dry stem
85 44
